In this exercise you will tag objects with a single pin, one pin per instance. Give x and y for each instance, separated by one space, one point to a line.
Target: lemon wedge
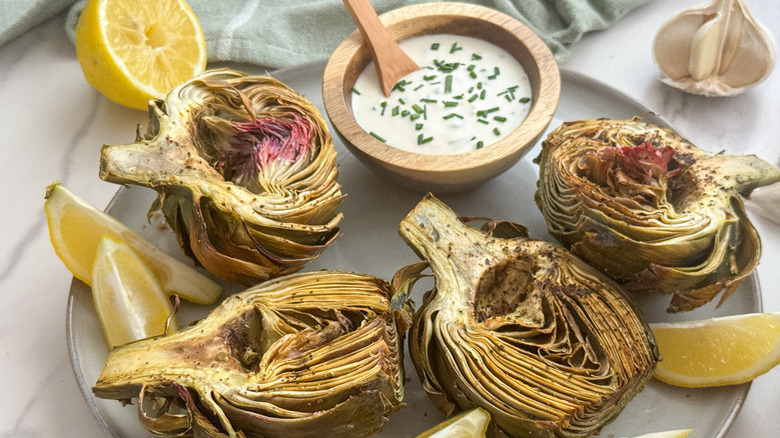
132 51
468 424
718 351
679 433
76 228
129 301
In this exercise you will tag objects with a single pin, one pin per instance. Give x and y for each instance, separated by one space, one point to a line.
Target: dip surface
467 95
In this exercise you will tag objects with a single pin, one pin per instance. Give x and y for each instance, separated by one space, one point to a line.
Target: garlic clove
715 50
765 201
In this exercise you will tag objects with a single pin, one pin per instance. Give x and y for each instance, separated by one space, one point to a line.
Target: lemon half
135 50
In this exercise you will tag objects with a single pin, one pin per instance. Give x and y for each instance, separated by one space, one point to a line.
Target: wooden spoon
392 63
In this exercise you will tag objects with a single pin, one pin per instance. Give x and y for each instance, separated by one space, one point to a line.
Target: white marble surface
53 124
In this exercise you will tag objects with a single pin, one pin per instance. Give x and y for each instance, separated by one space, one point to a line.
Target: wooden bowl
444 173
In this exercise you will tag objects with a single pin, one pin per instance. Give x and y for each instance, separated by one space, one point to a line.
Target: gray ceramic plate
370 244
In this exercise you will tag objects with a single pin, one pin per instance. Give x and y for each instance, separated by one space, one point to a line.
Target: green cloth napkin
18 16
279 33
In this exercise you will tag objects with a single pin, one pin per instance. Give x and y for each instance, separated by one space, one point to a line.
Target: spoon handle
392 63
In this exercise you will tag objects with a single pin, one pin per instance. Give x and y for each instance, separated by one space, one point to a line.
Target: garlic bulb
715 50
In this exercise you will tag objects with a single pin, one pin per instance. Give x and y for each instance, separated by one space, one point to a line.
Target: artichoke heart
521 328
245 172
292 357
650 209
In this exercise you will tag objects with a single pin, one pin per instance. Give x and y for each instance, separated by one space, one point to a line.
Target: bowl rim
515 144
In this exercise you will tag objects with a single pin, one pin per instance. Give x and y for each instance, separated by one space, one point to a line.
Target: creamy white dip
468 94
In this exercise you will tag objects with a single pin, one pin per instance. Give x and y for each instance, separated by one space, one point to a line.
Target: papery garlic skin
715 50
765 201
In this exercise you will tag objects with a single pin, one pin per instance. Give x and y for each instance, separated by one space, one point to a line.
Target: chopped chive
525 99
435 46
415 116
425 112
482 95
483 121
429 77
455 48
471 89
377 136
400 85
473 138
417 108
495 74
479 85
509 93
418 87
471 67
499 119
484 113
445 67
448 84
458 97
496 131
422 139
429 100
480 144
418 126
401 101
449 103
405 113
396 110
475 57
451 115
384 106
354 90
472 75
435 83
473 97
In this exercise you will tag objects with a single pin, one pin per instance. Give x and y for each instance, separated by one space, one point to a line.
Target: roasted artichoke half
520 327
650 209
245 171
297 356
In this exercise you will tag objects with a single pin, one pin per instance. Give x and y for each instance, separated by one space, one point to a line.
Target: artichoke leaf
650 209
286 358
520 327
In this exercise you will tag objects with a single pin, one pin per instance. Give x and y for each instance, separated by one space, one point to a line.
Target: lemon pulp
129 301
468 424
718 351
